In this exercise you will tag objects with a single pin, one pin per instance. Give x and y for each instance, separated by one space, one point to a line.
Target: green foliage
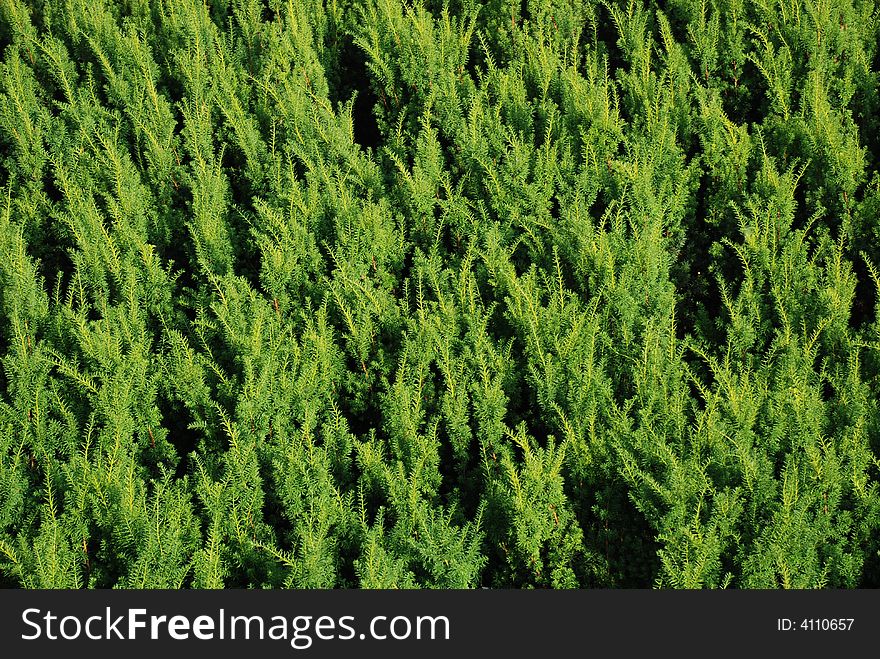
439 294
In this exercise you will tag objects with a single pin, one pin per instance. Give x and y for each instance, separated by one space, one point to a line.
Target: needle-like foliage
439 294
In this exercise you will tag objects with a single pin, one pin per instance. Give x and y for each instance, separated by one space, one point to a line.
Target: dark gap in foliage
495 525
748 108
348 551
247 261
351 77
220 12
407 282
871 570
603 201
586 39
627 542
678 15
171 87
274 512
366 128
865 111
452 472
525 15
4 350
864 308
7 39
699 302
50 188
828 392
575 286
522 259
46 246
177 419
104 573
523 405
176 252
362 417
555 209
54 264
239 173
871 567
607 38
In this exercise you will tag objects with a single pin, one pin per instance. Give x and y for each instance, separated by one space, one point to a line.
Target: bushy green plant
439 294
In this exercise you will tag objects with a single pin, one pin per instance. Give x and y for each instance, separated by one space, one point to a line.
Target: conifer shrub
423 294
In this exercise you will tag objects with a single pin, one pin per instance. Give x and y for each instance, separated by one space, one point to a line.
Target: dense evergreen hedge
370 293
